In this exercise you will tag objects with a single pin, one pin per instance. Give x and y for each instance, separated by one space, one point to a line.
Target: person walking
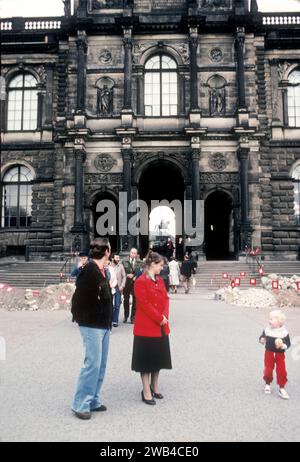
132 266
170 248
151 348
164 274
82 261
92 310
186 270
121 281
174 275
179 250
113 282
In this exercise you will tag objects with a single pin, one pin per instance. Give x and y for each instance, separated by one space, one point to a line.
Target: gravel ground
213 393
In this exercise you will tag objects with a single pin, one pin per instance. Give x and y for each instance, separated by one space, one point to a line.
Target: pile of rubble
284 283
51 298
251 297
287 294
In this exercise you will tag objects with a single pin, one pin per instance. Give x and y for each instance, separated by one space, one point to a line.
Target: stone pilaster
193 45
79 156
127 42
245 227
240 43
81 44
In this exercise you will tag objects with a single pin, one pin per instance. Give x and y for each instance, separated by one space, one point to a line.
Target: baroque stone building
162 99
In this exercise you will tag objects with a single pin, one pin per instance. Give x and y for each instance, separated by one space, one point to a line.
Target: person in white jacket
113 282
174 274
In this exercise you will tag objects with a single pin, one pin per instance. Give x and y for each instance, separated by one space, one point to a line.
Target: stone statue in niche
105 96
217 101
67 8
217 95
105 100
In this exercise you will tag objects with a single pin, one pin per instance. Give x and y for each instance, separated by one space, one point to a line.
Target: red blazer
152 302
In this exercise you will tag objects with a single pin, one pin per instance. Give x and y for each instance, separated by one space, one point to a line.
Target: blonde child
276 339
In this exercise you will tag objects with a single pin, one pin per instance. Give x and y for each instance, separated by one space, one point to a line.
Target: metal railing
254 260
65 271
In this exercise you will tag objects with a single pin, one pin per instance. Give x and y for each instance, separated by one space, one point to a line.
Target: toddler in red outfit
276 339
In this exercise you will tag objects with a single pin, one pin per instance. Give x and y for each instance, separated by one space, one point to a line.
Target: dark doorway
160 180
112 233
219 227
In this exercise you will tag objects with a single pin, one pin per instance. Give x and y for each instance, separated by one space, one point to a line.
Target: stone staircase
36 275
210 273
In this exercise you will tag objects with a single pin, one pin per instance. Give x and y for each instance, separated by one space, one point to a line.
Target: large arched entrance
160 180
219 226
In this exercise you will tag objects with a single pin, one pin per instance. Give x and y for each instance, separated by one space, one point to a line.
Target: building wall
273 147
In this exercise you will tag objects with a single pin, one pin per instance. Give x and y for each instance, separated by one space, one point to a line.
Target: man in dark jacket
186 270
164 274
92 309
83 260
133 266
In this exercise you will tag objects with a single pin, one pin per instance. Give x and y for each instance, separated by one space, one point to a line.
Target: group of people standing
98 281
123 274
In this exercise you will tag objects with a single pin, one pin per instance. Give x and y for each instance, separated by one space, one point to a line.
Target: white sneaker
283 394
267 390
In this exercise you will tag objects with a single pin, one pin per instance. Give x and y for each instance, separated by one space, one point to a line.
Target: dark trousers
128 290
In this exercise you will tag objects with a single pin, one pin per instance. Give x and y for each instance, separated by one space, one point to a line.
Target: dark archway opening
112 227
219 227
161 180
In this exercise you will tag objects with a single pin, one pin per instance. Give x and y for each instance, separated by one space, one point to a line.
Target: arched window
16 197
161 92
294 99
296 180
22 109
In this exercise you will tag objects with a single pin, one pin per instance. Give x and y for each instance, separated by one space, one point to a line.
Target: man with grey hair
133 268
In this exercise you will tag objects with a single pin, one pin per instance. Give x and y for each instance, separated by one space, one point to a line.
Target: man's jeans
96 344
117 304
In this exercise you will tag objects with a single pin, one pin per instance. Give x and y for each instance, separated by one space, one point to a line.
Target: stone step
208 277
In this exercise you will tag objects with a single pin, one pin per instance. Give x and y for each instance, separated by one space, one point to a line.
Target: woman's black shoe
156 395
148 401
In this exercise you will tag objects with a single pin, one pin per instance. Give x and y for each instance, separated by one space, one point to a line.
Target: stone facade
231 133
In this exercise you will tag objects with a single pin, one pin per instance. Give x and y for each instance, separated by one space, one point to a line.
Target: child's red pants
270 360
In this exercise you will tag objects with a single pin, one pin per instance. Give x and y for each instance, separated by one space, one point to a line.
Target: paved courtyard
213 393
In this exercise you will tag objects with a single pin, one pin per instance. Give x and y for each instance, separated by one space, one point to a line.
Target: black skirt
151 354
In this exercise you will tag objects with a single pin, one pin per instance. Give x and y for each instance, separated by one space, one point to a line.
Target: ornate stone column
127 156
81 43
127 42
193 45
195 157
240 43
195 152
245 227
126 241
79 157
41 92
49 95
140 93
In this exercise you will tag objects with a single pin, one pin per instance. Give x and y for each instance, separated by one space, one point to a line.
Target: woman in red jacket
151 349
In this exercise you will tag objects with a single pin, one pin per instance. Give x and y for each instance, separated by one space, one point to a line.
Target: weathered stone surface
50 151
